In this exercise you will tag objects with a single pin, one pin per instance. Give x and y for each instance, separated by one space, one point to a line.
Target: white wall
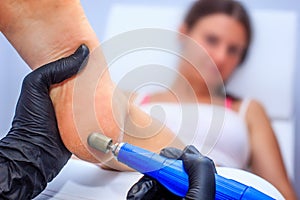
13 69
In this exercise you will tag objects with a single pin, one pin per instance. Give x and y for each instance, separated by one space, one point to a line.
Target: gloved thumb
201 172
62 69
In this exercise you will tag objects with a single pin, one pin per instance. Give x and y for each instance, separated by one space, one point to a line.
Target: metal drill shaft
100 142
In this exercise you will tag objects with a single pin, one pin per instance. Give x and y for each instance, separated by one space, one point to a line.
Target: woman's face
224 39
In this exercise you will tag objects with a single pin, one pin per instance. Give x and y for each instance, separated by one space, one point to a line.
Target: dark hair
202 8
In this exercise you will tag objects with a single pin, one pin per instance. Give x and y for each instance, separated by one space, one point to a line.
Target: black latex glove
200 169
32 153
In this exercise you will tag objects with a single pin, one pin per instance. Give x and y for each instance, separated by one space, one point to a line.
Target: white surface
284 130
80 180
250 180
13 70
268 75
124 18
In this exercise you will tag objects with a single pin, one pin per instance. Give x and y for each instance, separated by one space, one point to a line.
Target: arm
266 159
43 31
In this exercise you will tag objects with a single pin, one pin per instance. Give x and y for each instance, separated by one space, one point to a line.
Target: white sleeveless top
216 131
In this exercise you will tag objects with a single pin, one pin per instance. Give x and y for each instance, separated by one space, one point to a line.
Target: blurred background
270 73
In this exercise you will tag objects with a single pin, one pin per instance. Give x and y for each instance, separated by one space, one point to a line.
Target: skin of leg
44 31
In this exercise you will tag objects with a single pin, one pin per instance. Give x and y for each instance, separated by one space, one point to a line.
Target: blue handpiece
171 174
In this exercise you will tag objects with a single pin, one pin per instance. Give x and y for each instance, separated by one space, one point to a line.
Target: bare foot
44 31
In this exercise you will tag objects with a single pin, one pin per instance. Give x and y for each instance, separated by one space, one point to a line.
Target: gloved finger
171 152
144 189
201 171
59 70
35 88
190 149
150 189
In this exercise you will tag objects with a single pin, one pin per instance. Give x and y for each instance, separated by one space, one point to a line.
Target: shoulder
256 107
250 109
252 105
255 116
256 113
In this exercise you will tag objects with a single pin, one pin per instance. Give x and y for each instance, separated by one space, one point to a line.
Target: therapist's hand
32 153
200 169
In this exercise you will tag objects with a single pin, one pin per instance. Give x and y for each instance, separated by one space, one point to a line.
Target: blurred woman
223 29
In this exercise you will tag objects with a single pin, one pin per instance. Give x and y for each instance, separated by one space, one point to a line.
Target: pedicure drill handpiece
169 172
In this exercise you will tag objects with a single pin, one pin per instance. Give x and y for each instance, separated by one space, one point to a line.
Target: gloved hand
200 169
32 153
